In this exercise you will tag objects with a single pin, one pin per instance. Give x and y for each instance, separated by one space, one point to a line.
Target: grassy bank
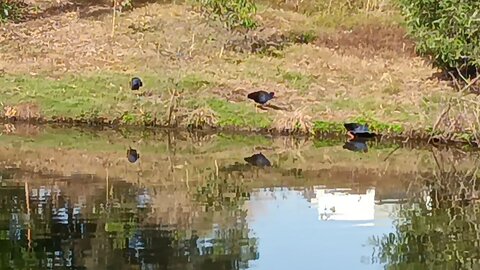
326 68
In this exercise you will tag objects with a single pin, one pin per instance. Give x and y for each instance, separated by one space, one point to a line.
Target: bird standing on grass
132 155
136 83
355 130
261 97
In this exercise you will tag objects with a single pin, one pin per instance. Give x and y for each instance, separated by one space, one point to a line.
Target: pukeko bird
261 97
355 130
258 160
356 145
132 155
136 83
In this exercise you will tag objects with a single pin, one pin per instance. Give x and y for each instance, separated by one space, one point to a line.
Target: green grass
109 96
297 80
238 115
97 95
330 87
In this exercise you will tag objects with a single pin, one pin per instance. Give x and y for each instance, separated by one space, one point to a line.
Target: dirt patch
369 40
267 41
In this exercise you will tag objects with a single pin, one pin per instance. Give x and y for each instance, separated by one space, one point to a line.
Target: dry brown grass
201 118
364 70
460 117
22 111
369 40
294 122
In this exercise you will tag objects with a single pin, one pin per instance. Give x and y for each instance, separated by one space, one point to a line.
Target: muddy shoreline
410 139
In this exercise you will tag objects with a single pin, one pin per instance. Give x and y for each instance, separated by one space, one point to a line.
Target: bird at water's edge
261 97
132 155
355 130
136 83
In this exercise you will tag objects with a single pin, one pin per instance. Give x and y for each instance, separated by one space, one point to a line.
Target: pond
82 199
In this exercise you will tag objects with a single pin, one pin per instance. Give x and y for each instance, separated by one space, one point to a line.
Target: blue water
291 236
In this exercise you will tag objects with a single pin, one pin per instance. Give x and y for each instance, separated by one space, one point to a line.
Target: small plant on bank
233 13
294 122
448 31
201 117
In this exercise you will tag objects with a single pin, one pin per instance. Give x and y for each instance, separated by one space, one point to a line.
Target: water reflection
345 204
67 231
194 204
357 144
132 155
438 225
259 160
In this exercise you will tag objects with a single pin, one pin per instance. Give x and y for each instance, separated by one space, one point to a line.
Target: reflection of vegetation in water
438 227
226 197
114 229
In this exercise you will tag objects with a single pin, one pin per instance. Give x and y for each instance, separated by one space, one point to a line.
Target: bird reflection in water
258 160
356 145
132 155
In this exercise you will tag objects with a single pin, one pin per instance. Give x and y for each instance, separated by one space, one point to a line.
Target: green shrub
233 13
11 9
448 31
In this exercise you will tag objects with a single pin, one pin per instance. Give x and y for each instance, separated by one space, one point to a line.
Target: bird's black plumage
359 130
258 160
136 83
132 155
261 96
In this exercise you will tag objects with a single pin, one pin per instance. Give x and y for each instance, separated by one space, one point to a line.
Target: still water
84 199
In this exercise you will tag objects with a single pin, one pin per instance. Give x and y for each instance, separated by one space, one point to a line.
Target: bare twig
472 82
454 79
171 107
391 152
439 119
114 15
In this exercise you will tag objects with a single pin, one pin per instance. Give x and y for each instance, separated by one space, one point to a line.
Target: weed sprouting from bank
297 121
201 118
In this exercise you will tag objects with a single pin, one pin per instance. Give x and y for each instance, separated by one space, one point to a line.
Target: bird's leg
350 135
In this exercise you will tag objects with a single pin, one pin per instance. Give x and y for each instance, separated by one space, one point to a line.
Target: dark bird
258 160
356 145
355 130
261 97
136 83
132 155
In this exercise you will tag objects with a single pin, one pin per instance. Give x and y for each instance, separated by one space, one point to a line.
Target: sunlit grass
239 115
